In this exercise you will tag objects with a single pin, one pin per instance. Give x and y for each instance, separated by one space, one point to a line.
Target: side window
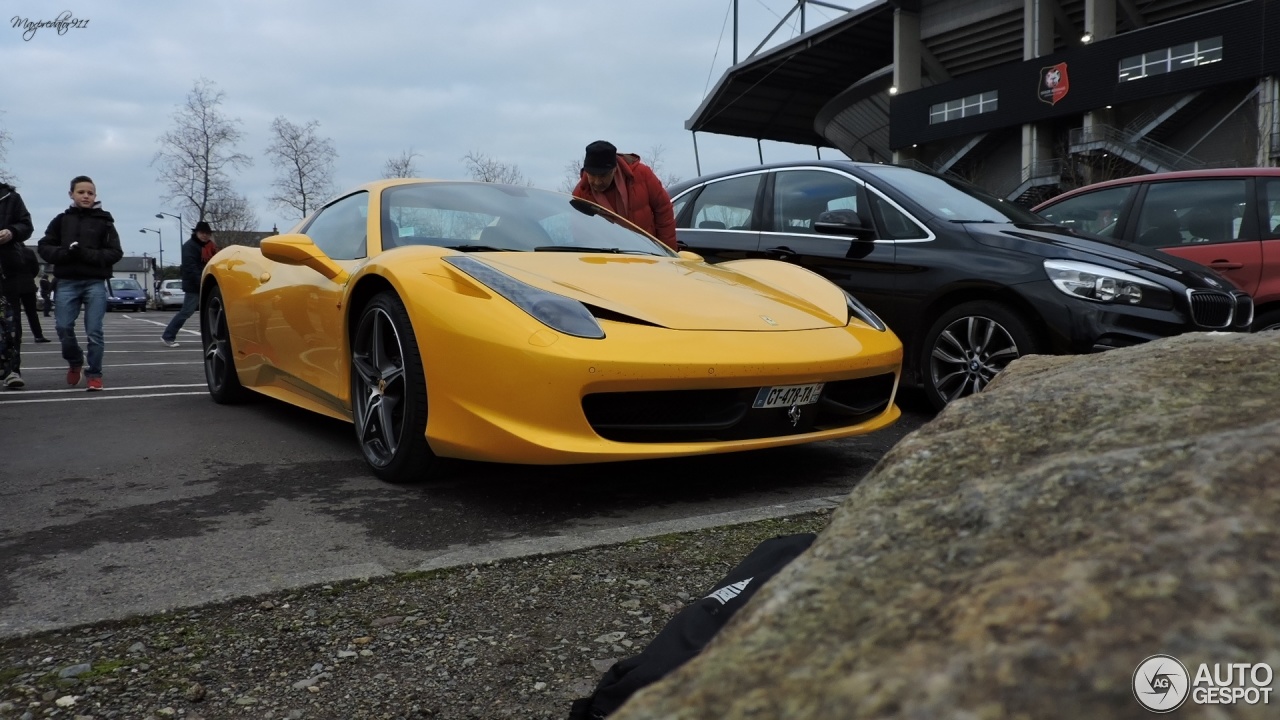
897 224
677 206
1271 208
800 196
727 204
339 230
1094 212
1191 212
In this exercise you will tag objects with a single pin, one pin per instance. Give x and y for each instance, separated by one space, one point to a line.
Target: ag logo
1161 683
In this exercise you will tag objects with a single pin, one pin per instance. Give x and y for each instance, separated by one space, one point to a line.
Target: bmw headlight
863 313
557 312
1106 285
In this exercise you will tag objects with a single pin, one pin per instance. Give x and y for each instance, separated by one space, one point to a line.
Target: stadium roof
776 94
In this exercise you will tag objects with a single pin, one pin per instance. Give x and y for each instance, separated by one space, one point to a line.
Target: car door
1205 220
722 221
1269 233
863 264
302 311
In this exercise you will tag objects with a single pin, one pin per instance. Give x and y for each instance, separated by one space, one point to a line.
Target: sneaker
95 384
14 381
43 340
169 343
73 375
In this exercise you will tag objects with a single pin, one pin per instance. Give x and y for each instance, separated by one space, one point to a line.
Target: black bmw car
967 281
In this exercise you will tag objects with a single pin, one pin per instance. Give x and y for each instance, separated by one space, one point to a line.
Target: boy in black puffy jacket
83 246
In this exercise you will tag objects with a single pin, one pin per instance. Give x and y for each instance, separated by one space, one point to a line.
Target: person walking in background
628 187
196 252
15 228
46 293
26 290
83 245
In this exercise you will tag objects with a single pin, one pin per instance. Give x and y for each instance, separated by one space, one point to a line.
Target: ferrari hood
673 292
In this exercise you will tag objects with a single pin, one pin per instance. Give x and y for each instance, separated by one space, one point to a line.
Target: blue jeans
71 293
190 303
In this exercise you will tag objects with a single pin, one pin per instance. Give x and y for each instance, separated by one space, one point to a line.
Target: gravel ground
517 638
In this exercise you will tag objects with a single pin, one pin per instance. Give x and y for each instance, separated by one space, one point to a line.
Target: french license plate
788 395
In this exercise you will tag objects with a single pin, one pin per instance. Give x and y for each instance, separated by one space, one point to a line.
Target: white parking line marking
94 396
130 387
118 365
193 348
161 324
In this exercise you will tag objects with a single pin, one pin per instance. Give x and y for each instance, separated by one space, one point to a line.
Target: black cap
203 226
601 157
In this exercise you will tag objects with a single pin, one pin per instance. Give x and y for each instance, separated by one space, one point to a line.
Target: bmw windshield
487 217
950 199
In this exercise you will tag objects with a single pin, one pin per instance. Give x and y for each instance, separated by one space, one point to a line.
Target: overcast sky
526 82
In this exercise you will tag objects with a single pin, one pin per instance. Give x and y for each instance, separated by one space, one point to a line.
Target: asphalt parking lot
148 496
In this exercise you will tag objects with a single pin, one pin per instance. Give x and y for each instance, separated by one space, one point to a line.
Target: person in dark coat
46 293
25 288
620 182
196 252
15 228
83 245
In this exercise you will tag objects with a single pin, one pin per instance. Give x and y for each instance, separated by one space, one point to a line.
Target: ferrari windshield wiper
478 248
584 248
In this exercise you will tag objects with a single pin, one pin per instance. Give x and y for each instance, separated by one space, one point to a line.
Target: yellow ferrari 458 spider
490 322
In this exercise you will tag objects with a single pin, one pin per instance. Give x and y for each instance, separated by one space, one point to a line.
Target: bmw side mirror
843 222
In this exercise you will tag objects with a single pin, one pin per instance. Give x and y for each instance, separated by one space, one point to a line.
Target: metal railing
1159 154
1048 171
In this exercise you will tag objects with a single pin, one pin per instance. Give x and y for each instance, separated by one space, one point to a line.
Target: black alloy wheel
219 363
389 393
1267 321
968 346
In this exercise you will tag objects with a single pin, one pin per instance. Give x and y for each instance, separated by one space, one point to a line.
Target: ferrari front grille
667 416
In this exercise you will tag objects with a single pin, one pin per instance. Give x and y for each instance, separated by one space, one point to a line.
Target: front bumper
580 401
1077 326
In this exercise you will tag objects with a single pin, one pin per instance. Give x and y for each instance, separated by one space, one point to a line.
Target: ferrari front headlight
863 313
557 312
1106 285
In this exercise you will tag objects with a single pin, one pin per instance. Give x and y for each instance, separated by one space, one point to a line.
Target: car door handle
1225 265
782 252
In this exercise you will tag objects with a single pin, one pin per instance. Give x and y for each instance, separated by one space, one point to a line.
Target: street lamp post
156 280
161 215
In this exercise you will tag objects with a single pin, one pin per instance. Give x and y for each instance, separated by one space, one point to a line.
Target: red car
1227 219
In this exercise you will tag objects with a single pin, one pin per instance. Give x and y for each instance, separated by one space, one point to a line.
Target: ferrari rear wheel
219 363
389 393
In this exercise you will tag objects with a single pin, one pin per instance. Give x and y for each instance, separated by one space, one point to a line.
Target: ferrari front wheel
219 364
389 393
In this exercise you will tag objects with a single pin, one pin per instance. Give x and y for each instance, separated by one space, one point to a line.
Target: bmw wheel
389 393
219 363
1269 320
968 346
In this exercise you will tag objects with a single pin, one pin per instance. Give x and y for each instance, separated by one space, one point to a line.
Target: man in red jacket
628 187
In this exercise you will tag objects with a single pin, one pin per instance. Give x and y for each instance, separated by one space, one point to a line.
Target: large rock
1020 555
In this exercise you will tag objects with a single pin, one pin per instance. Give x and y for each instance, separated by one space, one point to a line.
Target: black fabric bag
691 629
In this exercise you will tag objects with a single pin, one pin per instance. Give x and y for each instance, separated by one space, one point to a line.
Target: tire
219 360
389 393
1267 321
968 345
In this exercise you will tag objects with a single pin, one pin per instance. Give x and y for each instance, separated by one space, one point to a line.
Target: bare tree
230 213
572 173
5 175
402 166
304 161
485 169
197 155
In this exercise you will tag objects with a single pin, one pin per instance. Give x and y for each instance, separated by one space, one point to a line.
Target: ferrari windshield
951 199
487 217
